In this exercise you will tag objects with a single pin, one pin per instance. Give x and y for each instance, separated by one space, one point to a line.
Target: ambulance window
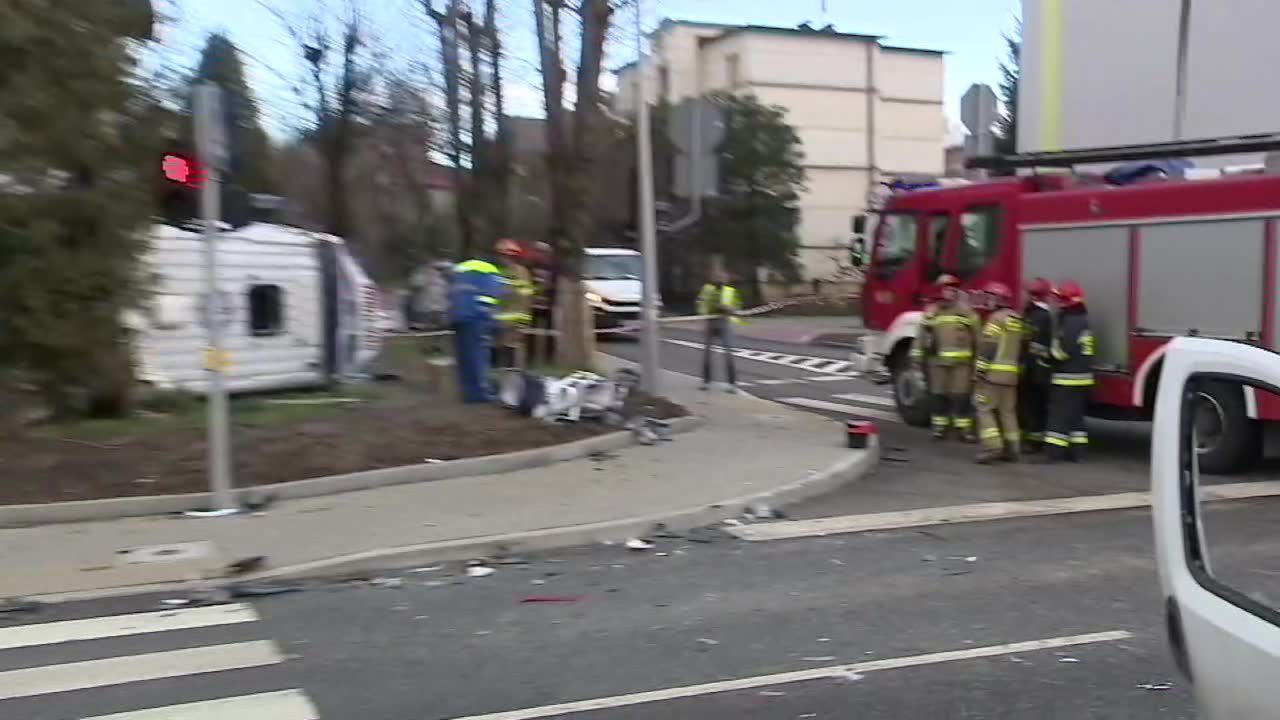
980 240
895 240
266 316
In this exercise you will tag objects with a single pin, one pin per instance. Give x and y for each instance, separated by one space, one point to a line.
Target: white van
298 310
611 279
1216 545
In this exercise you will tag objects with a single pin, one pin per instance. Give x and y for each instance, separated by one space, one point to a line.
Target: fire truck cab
1158 260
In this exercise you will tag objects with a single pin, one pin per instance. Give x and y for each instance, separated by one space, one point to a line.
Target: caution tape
672 320
216 359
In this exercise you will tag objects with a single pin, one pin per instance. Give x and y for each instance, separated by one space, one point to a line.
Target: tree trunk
448 23
499 156
477 189
576 345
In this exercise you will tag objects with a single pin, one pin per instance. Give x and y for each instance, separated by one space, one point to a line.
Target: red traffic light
181 170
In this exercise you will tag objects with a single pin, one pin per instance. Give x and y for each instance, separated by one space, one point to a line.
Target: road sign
978 113
211 127
696 128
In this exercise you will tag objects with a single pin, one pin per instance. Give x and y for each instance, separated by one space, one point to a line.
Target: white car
1222 611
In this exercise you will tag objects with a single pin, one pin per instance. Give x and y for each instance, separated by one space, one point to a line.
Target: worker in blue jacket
474 298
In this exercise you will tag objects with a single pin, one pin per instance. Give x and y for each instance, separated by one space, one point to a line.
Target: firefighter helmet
1069 293
948 280
999 292
1039 288
507 246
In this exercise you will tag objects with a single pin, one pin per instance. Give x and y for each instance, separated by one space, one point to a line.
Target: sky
968 30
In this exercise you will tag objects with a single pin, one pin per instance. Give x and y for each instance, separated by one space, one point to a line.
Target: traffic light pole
210 146
650 364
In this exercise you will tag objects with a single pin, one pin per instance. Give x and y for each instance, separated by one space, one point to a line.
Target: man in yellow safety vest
516 312
719 300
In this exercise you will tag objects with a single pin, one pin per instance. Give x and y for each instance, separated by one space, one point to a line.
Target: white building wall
821 81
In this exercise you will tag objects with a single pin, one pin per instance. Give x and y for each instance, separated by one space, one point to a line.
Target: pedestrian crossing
82 637
841 408
826 366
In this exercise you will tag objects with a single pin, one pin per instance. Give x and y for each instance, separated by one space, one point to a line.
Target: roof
804 32
923 51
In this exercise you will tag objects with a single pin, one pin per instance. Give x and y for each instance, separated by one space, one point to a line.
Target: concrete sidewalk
749 450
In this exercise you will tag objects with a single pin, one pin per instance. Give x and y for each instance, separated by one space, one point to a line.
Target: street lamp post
650 364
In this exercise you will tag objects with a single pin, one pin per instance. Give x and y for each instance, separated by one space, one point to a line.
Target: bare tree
498 161
572 148
449 23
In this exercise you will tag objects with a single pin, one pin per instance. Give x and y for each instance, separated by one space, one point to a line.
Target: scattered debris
837 561
259 502
824 640
552 599
929 558
661 554
819 658
1018 660
479 571
433 568
1068 660
849 676
144 481
511 560
244 566
537 581
421 617
389 583
1155 687
969 559
175 602
211 513
806 716
760 511
436 583
733 522
708 641
432 461
638 544
247 590
772 693
18 605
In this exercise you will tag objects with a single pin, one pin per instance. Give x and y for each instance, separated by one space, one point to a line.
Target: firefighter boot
988 456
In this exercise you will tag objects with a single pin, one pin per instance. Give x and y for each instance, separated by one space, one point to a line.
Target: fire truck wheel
1228 441
909 390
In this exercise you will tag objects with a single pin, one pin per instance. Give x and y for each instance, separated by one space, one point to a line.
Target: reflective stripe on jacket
948 334
517 304
1000 352
477 289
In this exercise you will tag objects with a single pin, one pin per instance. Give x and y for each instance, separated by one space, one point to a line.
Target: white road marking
822 673
852 410
136 668
828 378
981 512
285 705
781 381
123 625
814 364
868 399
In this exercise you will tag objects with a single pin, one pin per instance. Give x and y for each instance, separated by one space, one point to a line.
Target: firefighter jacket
1000 348
947 335
721 301
1037 323
1073 349
517 304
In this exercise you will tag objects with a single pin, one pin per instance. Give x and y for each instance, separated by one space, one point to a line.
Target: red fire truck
1157 259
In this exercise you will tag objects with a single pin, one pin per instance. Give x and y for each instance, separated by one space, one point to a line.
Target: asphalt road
1046 617
441 645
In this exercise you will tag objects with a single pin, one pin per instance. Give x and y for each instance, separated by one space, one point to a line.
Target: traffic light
181 169
178 185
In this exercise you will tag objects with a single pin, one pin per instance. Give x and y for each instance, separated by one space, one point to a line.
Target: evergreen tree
74 203
1006 129
252 157
752 223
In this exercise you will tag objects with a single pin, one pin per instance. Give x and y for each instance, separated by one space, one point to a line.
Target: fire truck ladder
1123 153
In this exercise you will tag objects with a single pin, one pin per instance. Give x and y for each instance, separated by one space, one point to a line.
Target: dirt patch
390 424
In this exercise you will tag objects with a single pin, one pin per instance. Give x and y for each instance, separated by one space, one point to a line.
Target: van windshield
611 267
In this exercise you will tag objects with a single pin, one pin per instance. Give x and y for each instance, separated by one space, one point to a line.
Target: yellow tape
216 360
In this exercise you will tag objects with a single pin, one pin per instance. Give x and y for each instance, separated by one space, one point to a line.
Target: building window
266 310
981 240
733 70
664 84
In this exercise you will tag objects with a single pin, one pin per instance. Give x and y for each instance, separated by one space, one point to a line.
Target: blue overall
473 300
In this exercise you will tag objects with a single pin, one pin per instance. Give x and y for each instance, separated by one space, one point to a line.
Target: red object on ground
858 432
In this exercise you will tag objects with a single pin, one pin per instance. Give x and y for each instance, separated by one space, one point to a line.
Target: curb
13 516
848 470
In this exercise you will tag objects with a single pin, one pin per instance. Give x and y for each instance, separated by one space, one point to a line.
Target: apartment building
864 110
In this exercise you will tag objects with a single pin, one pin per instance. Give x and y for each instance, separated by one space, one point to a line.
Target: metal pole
650 363
209 144
1180 77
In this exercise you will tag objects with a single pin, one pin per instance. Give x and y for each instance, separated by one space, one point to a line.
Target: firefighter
1033 390
516 312
996 372
474 296
1072 352
944 345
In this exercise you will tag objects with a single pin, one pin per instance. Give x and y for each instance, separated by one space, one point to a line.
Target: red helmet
948 280
1001 292
507 246
1069 292
1039 288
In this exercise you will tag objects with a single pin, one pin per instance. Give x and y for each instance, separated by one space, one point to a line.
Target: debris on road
479 571
244 566
929 558
1068 660
824 640
772 693
1155 687
254 590
760 511
733 522
432 461
849 676
175 602
211 513
638 544
708 641
552 599
433 568
819 658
